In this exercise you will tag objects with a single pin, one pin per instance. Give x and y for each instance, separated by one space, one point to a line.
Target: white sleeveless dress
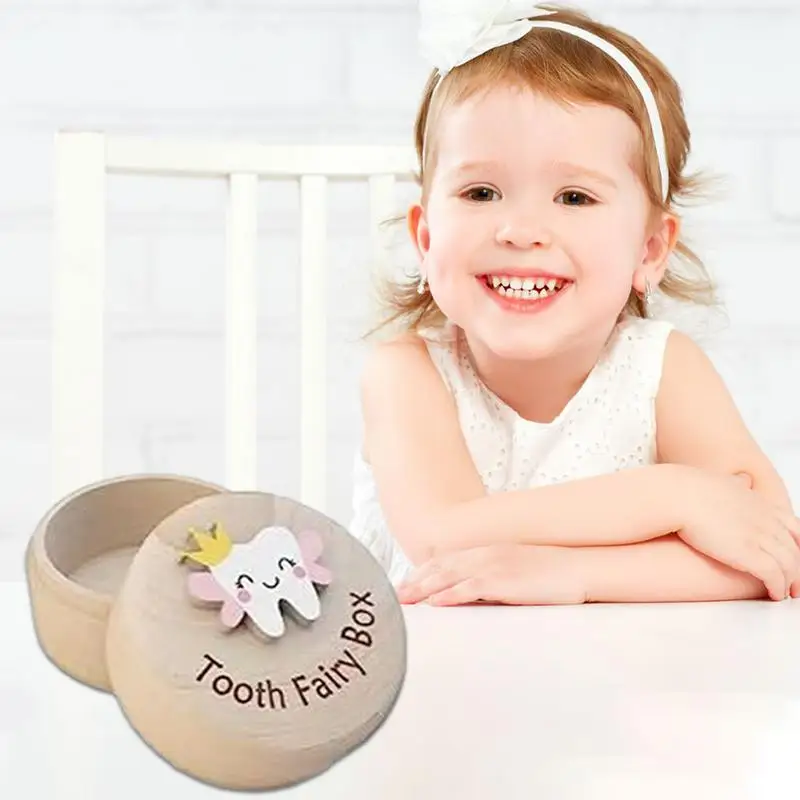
608 425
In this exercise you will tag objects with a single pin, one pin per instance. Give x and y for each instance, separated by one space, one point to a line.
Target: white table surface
566 703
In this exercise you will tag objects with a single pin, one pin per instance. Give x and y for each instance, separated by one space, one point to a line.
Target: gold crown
215 546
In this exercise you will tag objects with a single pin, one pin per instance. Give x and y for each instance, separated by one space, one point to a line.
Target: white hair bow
453 32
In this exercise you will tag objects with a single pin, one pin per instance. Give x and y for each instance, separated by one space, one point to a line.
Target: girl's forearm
632 505
660 571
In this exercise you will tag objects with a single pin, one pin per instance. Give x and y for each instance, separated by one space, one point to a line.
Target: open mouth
525 288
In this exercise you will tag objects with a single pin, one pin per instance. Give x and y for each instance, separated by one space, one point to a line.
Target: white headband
456 31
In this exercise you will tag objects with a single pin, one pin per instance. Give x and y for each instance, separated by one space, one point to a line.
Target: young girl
533 435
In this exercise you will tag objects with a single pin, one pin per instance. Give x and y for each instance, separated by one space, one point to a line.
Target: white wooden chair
83 160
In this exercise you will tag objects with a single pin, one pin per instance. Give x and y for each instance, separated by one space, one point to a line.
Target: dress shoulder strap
444 350
639 351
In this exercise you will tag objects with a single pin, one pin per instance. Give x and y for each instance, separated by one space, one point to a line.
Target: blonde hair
567 69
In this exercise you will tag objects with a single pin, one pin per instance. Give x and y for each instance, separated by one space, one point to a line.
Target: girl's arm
432 495
698 423
662 571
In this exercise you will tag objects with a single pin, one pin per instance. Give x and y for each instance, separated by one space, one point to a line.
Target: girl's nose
523 231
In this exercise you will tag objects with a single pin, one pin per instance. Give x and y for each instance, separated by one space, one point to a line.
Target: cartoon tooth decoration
254 578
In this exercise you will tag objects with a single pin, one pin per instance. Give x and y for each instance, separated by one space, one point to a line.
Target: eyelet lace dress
608 425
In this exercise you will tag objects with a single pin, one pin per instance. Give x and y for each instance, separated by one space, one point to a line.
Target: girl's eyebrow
574 170
568 168
465 167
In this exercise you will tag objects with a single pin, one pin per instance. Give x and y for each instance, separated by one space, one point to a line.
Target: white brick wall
321 70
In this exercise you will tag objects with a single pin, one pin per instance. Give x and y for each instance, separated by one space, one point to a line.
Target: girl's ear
661 241
418 229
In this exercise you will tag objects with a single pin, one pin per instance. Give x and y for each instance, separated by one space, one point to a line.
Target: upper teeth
524 283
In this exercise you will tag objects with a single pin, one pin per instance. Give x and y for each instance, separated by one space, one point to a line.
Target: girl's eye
242 578
479 194
287 560
574 198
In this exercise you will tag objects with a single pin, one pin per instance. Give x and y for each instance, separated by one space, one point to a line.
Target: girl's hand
747 481
737 526
500 574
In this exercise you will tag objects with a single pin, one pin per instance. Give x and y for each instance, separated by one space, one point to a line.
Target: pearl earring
421 285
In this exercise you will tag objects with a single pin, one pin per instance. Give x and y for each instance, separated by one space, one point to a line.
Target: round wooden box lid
255 642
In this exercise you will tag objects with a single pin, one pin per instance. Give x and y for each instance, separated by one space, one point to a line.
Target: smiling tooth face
255 577
268 569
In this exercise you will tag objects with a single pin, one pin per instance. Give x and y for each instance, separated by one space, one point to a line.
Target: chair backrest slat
83 161
241 334
182 158
313 337
78 311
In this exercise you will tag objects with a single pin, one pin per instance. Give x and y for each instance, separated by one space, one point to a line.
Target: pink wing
311 547
319 574
203 586
231 615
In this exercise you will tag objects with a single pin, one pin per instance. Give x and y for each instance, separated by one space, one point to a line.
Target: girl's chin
517 345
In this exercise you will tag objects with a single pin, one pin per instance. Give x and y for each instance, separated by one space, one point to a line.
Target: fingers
794 591
461 593
767 568
442 572
430 579
792 544
787 556
419 574
783 547
792 524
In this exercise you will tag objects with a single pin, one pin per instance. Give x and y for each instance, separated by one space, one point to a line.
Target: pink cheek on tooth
244 596
299 572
